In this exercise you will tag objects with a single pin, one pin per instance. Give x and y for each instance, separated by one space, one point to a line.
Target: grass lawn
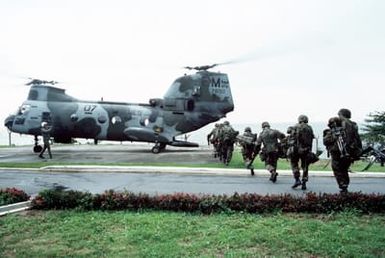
167 234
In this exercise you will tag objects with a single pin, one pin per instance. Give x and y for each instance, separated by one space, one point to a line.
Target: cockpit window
23 109
33 95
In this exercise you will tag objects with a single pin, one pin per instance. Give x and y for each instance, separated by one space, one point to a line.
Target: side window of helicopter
190 105
206 81
23 109
197 91
144 121
33 95
116 120
102 119
74 118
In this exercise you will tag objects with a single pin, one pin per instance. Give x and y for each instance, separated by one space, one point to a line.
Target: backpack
352 139
229 134
304 138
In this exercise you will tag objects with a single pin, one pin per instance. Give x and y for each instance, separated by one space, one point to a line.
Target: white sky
297 56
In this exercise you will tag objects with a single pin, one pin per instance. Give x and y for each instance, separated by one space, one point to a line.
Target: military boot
296 183
303 185
273 177
344 190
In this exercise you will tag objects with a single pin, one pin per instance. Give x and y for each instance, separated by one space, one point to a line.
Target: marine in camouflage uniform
269 140
227 138
300 145
247 148
247 142
46 133
339 140
213 138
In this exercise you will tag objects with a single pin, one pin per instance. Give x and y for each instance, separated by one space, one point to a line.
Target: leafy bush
207 204
12 195
59 199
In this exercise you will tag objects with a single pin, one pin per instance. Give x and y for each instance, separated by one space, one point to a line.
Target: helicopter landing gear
158 147
37 148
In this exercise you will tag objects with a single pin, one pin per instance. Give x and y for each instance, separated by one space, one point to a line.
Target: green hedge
12 195
207 204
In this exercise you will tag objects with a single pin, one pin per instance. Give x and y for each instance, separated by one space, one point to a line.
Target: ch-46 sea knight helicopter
190 103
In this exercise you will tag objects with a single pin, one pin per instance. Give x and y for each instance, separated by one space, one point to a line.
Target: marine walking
341 140
300 144
268 142
46 130
344 145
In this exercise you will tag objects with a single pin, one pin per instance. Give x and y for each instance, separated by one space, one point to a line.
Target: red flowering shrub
207 204
12 195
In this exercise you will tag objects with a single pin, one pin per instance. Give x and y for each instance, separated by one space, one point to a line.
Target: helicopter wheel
37 148
155 149
158 148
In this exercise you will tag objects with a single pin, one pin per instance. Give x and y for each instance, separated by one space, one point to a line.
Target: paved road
226 182
113 153
157 183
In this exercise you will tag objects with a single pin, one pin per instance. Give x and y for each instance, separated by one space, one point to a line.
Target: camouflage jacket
269 138
213 135
350 137
303 137
227 133
247 139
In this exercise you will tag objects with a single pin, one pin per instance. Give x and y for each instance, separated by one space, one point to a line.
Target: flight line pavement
189 160
182 170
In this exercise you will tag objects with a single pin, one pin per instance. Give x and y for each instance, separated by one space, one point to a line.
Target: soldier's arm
280 135
328 138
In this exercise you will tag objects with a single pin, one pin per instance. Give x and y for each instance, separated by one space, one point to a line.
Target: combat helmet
265 124
344 112
226 123
303 119
290 130
248 129
334 122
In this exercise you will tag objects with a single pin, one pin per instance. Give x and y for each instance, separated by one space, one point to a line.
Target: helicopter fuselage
191 102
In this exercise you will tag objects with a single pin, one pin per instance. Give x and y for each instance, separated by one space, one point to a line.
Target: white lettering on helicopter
88 109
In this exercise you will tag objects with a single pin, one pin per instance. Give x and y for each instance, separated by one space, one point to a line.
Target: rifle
376 155
249 140
250 164
339 133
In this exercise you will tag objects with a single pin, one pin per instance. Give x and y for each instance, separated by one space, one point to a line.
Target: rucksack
229 134
304 138
352 139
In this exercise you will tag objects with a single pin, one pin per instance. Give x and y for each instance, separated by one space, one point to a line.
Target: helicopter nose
8 122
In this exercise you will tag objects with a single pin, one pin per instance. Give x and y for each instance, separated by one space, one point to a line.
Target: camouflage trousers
294 162
340 168
247 152
227 152
271 161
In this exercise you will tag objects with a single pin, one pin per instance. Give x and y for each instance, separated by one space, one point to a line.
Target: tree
374 129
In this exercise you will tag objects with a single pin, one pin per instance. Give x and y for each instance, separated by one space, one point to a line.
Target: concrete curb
15 207
192 170
182 170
